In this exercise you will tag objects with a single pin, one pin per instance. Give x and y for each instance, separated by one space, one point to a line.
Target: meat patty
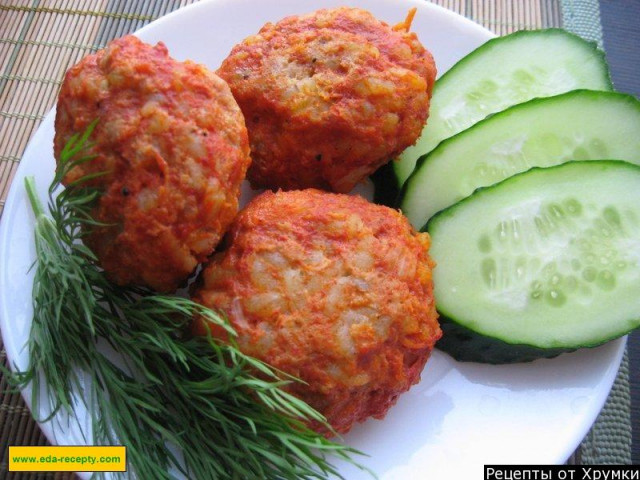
173 145
332 289
329 97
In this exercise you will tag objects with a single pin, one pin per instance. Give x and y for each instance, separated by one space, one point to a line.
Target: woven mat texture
40 40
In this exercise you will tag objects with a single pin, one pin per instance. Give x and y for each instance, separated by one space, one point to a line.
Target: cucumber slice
502 72
544 262
578 125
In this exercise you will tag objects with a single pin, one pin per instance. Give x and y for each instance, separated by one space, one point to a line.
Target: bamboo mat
40 39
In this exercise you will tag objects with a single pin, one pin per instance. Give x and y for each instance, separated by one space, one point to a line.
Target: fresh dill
194 405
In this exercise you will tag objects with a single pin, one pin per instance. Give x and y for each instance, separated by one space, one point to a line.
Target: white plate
460 416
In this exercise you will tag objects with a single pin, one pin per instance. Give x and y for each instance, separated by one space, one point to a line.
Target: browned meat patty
332 289
175 150
329 97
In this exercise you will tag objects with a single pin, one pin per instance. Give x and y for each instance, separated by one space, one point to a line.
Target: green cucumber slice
578 125
546 261
502 72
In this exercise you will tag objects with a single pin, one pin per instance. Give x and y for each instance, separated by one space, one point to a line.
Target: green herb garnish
225 412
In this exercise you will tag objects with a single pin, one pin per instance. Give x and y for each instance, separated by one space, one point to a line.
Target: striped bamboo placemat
41 39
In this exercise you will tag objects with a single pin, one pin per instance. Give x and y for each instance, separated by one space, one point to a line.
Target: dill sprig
192 404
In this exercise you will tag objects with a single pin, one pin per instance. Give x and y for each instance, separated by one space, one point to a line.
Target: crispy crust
332 289
329 97
173 143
